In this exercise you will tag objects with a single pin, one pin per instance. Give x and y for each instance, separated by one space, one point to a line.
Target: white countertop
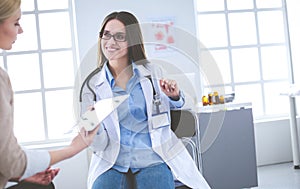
222 107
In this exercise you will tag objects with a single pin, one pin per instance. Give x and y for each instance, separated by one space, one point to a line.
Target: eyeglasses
119 36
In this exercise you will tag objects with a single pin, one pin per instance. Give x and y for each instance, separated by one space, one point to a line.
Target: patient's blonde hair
8 8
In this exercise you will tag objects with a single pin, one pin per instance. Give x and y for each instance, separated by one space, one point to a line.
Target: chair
184 123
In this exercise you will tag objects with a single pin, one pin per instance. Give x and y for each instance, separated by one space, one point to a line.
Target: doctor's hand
84 138
170 88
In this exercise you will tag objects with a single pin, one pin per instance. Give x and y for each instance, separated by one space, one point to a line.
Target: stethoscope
153 80
87 83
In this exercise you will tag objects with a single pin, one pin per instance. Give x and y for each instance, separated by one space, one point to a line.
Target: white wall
273 142
73 172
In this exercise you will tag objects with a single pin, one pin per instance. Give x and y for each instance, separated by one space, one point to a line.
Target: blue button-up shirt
135 151
135 144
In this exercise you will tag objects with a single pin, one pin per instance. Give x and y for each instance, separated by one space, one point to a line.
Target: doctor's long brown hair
136 50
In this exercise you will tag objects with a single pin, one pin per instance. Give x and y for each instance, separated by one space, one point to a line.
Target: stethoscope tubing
87 82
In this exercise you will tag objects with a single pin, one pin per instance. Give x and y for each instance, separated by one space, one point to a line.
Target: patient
31 168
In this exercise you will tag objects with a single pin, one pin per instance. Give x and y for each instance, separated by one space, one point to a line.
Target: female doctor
134 147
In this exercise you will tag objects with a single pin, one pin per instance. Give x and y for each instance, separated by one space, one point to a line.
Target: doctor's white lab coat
164 141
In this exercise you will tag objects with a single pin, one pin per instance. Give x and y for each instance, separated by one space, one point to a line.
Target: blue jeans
155 177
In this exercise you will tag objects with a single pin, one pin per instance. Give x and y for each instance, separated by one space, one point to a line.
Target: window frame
39 51
230 48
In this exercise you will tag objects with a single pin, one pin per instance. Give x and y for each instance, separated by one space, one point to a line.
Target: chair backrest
183 123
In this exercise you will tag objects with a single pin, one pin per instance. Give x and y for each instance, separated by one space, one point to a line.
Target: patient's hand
44 177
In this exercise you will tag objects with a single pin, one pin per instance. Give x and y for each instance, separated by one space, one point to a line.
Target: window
250 49
42 67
